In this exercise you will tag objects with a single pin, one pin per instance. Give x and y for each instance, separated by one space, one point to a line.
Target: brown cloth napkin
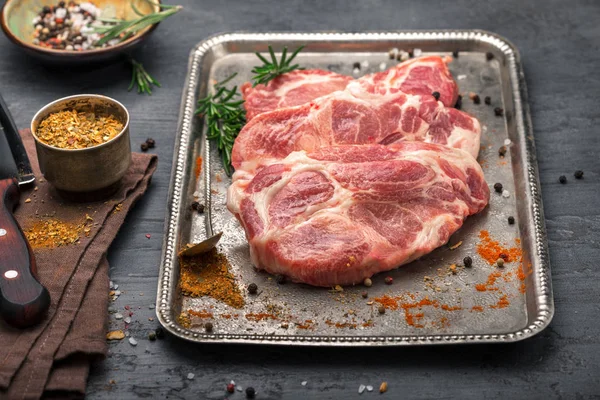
53 358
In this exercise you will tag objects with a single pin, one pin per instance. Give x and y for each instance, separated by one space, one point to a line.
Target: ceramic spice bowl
17 16
90 169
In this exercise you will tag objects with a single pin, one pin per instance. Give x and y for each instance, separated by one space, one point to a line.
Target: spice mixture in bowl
71 30
82 142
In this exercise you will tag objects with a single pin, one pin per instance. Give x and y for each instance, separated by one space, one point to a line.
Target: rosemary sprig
141 78
122 30
272 69
224 119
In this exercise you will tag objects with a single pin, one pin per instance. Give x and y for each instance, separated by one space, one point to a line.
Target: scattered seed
468 261
502 151
280 279
487 100
511 220
505 194
230 388
252 288
436 95
132 341
393 53
361 389
458 104
455 54
367 282
476 99
498 111
364 64
500 262
381 309
356 71
356 65
403 56
562 179
498 187
456 245
411 53
365 295
578 174
489 56
382 66
389 280
152 336
417 52
208 326
250 392
160 333
144 146
28 200
115 335
151 143
383 388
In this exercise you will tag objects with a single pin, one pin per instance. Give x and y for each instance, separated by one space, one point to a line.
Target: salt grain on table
304 383
127 320
132 341
361 389
364 64
506 194
461 77
118 316
152 306
190 376
369 388
382 66
507 142
239 388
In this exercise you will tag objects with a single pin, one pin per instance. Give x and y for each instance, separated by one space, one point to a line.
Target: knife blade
23 299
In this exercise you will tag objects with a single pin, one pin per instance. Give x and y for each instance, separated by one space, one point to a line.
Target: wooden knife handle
23 299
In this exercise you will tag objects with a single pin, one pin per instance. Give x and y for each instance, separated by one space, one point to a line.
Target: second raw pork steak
341 214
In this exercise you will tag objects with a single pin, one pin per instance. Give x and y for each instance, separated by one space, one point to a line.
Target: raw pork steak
356 117
341 214
291 89
420 76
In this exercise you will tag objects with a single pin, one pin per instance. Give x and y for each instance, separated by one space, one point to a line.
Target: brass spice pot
90 169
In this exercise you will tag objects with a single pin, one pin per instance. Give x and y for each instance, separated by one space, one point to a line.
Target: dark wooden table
560 46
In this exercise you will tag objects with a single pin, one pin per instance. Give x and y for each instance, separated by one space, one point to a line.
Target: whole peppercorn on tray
490 283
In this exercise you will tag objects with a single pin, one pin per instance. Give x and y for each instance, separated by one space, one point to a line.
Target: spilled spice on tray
308 324
51 233
488 286
477 308
200 314
503 302
184 320
490 249
257 317
198 168
71 129
208 274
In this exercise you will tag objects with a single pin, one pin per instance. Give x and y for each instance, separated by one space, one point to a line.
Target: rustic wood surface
560 46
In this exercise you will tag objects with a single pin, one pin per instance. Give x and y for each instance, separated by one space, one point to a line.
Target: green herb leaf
142 78
270 70
224 118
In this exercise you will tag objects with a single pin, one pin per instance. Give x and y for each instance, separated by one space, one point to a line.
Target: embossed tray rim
167 282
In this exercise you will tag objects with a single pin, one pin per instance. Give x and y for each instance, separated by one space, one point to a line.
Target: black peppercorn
562 179
498 187
61 4
151 143
356 65
476 99
468 261
578 174
250 392
489 56
280 279
144 146
455 54
502 151
487 100
365 295
411 53
252 288
436 95
208 326
498 111
160 334
46 9
511 220
197 206
458 104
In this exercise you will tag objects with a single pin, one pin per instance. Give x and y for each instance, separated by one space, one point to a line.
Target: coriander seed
367 282
381 309
500 262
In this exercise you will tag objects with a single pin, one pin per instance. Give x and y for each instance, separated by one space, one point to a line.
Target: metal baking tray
306 315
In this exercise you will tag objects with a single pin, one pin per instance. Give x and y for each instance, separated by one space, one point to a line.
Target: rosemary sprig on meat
123 30
224 118
272 69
